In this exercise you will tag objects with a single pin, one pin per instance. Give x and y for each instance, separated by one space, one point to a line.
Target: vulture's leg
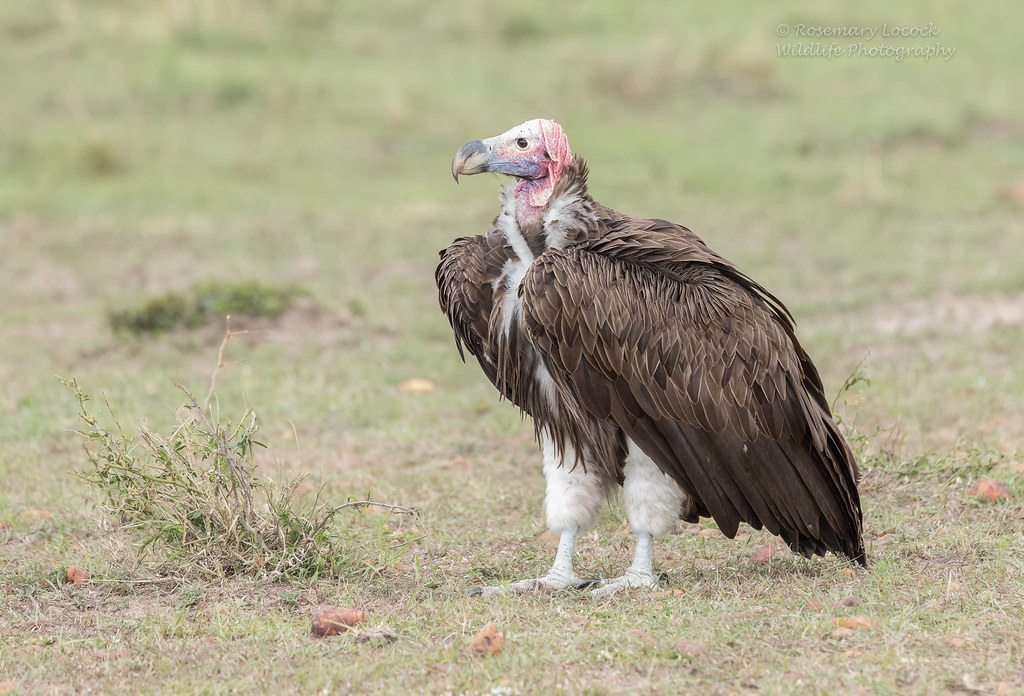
653 502
572 502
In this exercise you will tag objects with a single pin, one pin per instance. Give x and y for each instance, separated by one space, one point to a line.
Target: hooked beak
472 158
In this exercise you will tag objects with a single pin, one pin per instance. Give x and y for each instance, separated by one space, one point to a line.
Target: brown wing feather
469 281
465 278
700 366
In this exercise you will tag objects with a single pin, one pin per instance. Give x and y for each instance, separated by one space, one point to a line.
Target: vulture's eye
522 143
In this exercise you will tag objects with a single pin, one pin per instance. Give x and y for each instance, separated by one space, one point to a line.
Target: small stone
379 634
971 683
856 622
989 489
416 385
487 641
76 576
330 621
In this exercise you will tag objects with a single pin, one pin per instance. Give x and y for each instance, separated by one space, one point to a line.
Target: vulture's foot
552 582
640 574
560 577
632 578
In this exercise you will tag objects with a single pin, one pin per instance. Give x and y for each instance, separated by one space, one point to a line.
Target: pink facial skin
539 167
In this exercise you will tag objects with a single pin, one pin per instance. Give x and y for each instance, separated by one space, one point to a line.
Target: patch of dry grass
733 626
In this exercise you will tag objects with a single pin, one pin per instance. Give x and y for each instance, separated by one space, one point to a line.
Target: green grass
150 147
205 303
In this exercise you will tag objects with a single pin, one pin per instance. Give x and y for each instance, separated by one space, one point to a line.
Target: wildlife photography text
895 42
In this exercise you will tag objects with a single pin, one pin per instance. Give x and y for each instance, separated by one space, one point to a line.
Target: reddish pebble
330 621
487 641
990 489
76 576
416 385
855 623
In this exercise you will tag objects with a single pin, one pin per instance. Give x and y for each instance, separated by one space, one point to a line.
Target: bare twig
228 335
395 510
170 580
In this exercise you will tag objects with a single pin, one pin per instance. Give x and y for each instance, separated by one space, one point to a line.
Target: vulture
648 362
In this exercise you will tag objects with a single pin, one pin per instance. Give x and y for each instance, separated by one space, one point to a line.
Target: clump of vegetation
857 439
971 462
202 304
100 158
194 496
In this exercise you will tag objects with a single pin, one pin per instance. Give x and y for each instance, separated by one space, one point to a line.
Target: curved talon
526 586
587 584
489 591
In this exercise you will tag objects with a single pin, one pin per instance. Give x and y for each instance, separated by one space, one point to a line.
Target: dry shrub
194 499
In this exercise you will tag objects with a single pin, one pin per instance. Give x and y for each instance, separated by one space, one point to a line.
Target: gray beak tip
472 158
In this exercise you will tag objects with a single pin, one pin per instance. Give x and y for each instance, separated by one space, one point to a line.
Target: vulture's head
535 153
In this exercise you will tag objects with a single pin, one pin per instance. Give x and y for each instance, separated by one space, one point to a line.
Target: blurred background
874 183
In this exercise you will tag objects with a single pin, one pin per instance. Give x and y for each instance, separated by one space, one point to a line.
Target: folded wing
700 367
